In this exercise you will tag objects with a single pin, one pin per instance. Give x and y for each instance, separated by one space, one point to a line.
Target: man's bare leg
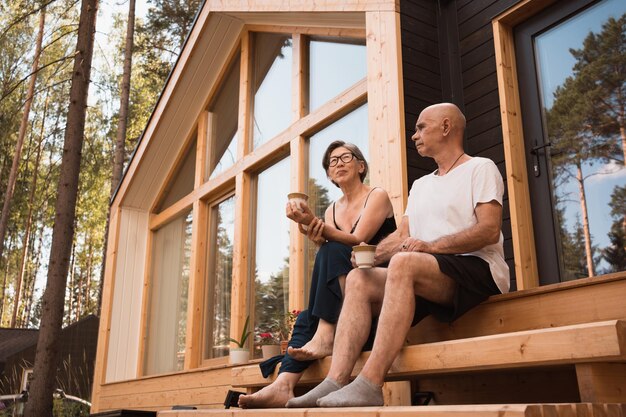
364 291
321 345
274 395
408 274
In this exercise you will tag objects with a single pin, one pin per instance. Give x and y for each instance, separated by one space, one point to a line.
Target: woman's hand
314 231
299 213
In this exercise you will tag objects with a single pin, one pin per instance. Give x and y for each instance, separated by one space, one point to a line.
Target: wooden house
199 241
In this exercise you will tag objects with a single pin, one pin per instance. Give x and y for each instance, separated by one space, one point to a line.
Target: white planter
270 351
238 356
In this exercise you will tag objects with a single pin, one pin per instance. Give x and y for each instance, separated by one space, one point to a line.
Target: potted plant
286 328
240 354
269 345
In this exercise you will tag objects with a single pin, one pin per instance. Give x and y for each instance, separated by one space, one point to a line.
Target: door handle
535 152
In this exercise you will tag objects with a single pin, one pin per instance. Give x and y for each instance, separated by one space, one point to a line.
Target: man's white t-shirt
444 205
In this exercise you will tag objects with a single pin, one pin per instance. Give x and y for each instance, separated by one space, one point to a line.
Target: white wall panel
127 293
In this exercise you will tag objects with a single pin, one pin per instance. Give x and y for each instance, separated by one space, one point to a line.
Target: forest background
160 30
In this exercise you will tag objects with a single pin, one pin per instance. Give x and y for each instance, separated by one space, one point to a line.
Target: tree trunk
31 290
72 287
29 218
622 132
6 207
44 372
120 141
4 283
87 294
585 215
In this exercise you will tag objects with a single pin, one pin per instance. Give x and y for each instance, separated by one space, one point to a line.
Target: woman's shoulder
379 193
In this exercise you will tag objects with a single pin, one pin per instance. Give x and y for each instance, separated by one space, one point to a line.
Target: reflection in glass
221 237
581 97
271 284
272 85
222 123
351 128
181 183
169 285
333 67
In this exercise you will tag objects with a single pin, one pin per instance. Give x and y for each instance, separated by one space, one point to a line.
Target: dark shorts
474 284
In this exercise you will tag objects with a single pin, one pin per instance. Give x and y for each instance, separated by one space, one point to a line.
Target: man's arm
391 245
485 232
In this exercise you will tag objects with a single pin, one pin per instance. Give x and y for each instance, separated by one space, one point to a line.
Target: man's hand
415 245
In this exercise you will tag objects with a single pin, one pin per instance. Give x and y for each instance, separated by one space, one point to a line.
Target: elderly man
445 258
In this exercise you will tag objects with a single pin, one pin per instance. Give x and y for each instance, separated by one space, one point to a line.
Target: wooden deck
492 410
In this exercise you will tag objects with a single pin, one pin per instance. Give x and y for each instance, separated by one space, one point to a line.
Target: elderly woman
362 214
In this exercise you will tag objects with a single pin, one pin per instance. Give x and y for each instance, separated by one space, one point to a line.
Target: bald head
448 111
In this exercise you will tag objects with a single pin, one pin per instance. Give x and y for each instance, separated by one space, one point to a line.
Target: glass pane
169 284
333 67
223 122
222 235
581 97
272 85
350 128
181 183
272 250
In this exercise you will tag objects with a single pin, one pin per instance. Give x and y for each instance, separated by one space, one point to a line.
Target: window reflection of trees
586 127
220 292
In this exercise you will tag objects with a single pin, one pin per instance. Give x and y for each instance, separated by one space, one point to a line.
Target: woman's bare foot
319 347
274 395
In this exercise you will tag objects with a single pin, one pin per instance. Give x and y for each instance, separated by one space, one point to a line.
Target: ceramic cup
364 255
297 198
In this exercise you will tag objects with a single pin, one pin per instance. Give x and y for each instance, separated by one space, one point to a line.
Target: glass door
572 72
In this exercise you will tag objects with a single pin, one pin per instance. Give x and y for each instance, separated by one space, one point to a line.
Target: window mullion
197 271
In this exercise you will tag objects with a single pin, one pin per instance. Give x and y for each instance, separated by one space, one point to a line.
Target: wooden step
581 343
481 410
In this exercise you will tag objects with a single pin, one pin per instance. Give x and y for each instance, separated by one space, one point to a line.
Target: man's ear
446 126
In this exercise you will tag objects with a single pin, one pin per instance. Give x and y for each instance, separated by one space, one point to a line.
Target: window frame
240 180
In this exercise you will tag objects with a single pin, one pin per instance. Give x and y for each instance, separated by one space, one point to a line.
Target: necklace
454 163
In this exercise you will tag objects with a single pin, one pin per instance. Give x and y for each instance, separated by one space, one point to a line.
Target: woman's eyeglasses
345 158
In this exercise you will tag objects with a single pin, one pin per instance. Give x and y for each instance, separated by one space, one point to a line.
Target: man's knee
406 267
359 283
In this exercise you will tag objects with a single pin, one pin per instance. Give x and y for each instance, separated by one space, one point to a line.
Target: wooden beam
108 287
357 33
245 97
203 158
522 11
574 302
602 382
300 80
590 342
386 106
524 252
297 239
159 220
197 279
302 5
145 305
241 254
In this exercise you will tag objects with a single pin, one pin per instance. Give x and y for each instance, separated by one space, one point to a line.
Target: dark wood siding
422 72
466 53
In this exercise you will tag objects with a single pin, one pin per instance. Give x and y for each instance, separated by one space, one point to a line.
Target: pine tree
40 399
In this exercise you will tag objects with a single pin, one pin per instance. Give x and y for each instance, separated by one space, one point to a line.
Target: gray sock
310 398
359 393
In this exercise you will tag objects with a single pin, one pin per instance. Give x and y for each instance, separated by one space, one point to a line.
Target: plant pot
283 346
238 356
270 351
